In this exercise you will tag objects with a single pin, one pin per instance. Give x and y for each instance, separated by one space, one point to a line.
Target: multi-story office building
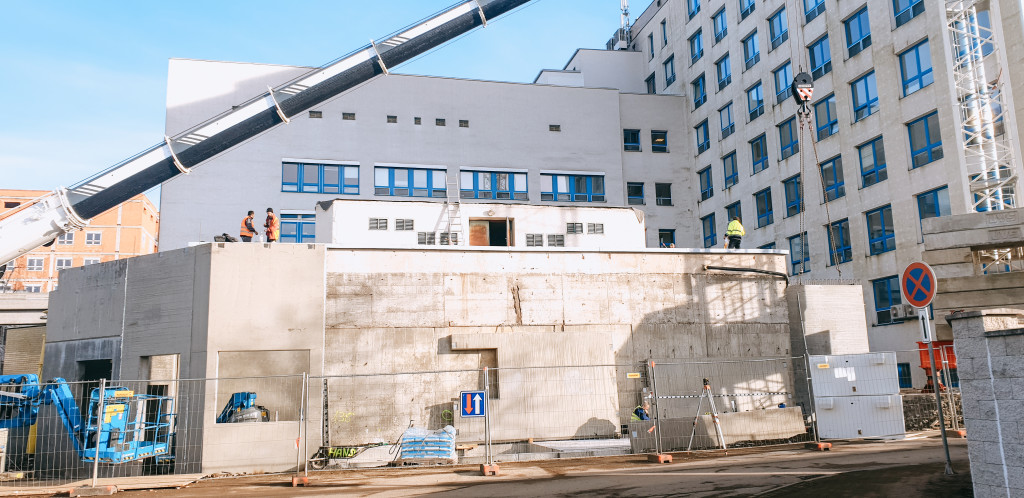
128 230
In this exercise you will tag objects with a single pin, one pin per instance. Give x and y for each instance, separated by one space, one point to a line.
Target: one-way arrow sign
472 403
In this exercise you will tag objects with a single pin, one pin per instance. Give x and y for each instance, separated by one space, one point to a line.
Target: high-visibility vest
245 232
273 227
735 229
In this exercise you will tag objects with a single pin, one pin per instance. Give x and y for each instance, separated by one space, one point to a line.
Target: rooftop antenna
625 19
621 39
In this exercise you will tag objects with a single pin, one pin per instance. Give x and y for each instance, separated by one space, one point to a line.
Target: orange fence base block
93 491
660 458
300 481
818 446
490 470
962 434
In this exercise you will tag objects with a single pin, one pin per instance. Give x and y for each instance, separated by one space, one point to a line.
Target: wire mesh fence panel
726 404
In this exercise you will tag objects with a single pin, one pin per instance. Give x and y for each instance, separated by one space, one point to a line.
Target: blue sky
84 82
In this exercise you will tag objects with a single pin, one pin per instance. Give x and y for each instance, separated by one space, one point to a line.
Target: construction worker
735 232
641 412
247 232
273 226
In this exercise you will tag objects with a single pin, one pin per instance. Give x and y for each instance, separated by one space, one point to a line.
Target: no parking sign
918 284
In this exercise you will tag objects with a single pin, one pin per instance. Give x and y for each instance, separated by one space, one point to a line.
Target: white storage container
851 417
869 374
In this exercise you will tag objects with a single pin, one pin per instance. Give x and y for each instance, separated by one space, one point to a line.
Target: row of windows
635 194
91 238
391 119
37 264
631 140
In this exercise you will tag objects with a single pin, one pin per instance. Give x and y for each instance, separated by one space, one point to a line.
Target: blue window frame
696 46
865 96
821 57
832 173
670 70
904 376
751 53
925 140
734 210
725 119
881 234
493 185
320 178
721 25
664 32
906 10
693 7
916 68
652 86
788 138
707 187
666 237
724 72
763 203
783 82
799 256
631 140
933 203
872 162
703 137
813 8
650 44
825 117
659 141
710 237
298 228
700 95
778 28
732 175
755 101
409 182
759 153
635 193
840 250
887 295
572 188
746 8
858 32
794 195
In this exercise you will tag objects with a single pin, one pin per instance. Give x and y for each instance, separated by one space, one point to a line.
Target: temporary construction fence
298 423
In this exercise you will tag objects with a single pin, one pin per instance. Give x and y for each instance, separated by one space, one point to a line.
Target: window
409 182
651 87
825 117
813 8
572 188
832 173
595 228
729 167
725 119
392 119
794 195
348 116
534 240
783 82
650 44
556 240
751 54
316 114
734 210
872 162
906 10
34 264
426 238
703 138
706 184
821 57
573 228
840 250
493 185
670 70
635 193
440 122
787 138
881 235
746 8
904 376
858 32
555 127
778 28
298 228
710 237
378 223
865 97
320 178
63 263
463 123
755 101
666 237
887 295
933 203
916 68
699 94
721 25
417 120
759 154
93 238
763 203
663 194
631 140
724 72
35 289
66 239
659 141
925 140
664 32
449 239
696 46
799 256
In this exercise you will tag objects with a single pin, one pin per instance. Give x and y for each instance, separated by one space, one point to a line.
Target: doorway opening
491 232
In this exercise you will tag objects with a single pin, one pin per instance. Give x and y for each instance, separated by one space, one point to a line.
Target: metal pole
305 425
935 386
487 417
302 407
944 352
99 431
657 417
807 367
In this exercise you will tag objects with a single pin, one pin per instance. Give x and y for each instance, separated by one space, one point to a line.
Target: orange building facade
128 230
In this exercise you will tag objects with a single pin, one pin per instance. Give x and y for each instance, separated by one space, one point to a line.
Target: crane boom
64 210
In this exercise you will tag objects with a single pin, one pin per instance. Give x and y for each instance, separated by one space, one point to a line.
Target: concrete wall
989 348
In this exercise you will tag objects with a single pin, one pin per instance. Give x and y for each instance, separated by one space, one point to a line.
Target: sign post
918 285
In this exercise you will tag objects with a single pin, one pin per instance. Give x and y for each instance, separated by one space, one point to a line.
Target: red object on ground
490 470
660 458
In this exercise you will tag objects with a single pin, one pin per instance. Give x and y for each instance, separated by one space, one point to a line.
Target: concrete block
1014 345
659 458
300 481
989 474
1008 367
1011 410
1013 451
93 491
986 410
490 470
982 430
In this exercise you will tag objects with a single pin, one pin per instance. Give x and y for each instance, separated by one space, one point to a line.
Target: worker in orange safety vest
247 232
273 226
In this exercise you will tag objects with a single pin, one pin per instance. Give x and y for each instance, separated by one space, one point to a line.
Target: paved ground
900 468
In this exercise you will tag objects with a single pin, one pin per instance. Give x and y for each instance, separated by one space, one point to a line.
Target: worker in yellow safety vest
641 412
734 233
247 232
273 226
